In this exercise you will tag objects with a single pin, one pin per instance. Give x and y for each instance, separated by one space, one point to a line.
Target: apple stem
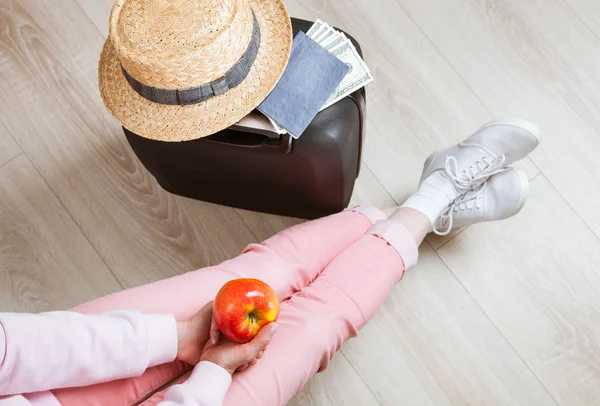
252 317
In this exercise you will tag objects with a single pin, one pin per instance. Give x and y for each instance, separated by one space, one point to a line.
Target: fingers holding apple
193 333
232 356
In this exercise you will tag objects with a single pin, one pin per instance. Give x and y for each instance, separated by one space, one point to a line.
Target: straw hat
176 70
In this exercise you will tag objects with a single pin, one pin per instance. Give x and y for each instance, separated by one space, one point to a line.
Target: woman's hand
236 357
193 334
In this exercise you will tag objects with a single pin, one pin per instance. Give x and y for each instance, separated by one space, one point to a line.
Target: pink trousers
331 274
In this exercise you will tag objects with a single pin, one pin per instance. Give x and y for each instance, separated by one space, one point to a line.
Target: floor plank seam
495 326
382 185
568 204
535 177
452 238
360 376
90 20
575 12
2 125
441 54
256 239
11 159
73 219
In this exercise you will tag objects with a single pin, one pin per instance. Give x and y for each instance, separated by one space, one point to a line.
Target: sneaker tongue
470 155
471 168
481 149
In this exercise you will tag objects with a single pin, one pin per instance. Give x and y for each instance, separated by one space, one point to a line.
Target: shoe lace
460 204
474 175
473 181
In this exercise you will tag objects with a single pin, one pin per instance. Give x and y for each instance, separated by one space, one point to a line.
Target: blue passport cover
311 76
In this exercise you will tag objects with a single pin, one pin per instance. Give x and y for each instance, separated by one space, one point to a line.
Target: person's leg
316 321
288 262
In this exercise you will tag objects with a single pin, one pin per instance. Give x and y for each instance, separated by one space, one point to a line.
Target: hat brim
183 123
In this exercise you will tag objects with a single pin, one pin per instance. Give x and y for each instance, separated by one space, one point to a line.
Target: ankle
415 222
434 195
390 211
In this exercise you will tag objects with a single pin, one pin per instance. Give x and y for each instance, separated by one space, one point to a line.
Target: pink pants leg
317 320
299 263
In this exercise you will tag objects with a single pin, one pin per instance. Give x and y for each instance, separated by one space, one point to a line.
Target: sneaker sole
524 182
521 124
426 165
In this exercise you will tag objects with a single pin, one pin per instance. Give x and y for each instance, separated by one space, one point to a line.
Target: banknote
340 46
319 28
333 42
325 35
317 24
359 75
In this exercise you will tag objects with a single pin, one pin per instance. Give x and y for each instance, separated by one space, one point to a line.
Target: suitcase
310 177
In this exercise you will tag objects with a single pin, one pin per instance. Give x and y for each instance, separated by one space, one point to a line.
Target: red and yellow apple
243 306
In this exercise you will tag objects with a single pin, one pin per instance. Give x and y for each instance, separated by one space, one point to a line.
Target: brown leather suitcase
309 177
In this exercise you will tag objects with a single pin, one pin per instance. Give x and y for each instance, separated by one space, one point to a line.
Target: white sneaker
459 174
501 197
485 153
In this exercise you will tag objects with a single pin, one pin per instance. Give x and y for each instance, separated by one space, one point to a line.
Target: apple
243 306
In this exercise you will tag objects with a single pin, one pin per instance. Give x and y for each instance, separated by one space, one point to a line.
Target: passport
311 76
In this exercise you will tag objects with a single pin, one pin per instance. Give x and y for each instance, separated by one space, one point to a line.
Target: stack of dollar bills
340 46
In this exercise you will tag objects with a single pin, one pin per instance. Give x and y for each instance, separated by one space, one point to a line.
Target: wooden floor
498 314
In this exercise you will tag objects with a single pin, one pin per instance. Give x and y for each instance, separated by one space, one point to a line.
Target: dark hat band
194 95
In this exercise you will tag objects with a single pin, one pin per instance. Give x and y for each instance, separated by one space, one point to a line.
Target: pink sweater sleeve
67 349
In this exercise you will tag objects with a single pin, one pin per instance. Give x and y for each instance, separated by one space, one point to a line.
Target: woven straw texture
175 44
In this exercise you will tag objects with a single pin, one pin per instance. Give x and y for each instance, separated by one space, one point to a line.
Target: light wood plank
589 12
432 345
538 281
98 12
264 225
50 103
338 385
8 146
368 190
45 261
538 60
